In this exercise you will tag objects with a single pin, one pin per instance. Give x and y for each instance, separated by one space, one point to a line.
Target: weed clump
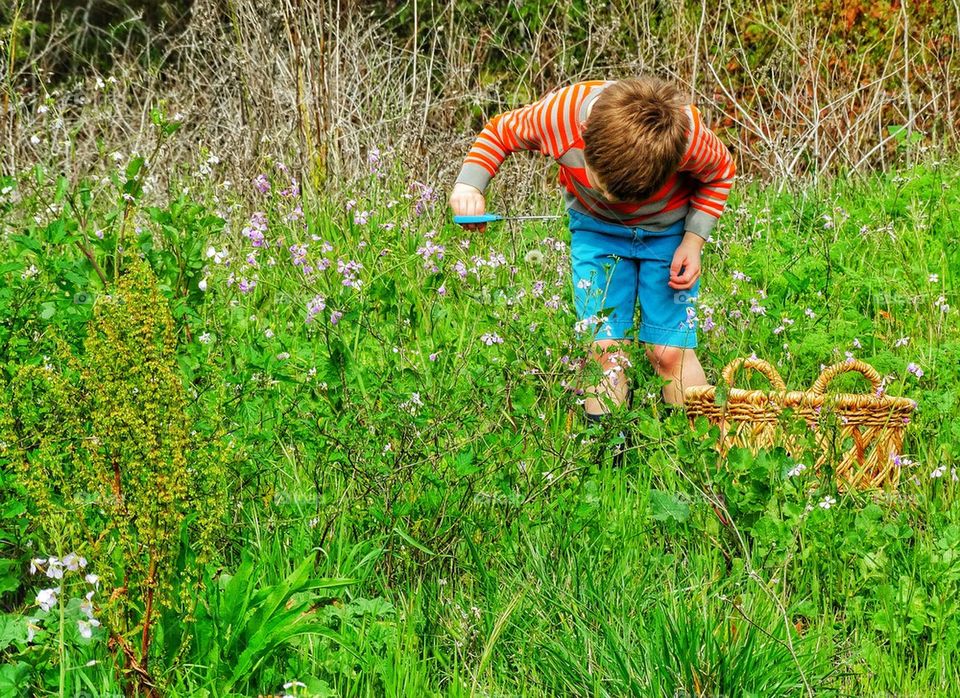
104 446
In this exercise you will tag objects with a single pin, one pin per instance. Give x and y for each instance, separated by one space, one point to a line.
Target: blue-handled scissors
493 218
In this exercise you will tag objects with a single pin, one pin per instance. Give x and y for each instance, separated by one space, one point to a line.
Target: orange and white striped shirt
697 192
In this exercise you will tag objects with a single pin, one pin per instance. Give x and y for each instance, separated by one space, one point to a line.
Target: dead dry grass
318 83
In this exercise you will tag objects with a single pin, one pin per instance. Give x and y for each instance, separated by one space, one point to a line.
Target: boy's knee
666 360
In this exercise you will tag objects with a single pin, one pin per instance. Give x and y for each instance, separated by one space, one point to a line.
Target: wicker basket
874 423
747 418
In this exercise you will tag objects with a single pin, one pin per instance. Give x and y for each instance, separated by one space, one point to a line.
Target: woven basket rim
803 398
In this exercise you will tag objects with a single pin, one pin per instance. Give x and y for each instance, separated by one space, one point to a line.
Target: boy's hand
685 268
468 201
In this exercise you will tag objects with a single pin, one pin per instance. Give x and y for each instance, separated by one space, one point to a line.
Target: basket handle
757 365
831 372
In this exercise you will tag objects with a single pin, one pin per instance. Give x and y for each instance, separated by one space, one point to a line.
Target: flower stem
62 649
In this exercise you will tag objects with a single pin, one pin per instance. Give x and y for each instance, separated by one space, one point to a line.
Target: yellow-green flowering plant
103 444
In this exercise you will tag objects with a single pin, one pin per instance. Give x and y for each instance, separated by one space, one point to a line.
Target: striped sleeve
549 126
709 162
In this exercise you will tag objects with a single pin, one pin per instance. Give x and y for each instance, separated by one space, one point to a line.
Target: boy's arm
709 162
544 125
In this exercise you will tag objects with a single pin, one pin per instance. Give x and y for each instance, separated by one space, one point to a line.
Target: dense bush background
271 425
795 88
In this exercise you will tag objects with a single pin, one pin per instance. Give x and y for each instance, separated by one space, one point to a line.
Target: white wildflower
46 599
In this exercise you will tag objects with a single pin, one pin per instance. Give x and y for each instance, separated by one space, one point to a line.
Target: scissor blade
492 218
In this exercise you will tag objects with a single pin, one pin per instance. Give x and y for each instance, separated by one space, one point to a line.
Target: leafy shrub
104 449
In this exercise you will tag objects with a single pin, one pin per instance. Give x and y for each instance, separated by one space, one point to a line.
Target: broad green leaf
667 506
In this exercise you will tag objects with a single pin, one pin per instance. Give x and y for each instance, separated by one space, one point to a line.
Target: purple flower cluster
243 283
323 263
708 324
256 229
315 306
295 215
496 259
298 254
493 261
900 461
756 308
261 184
427 251
425 197
359 217
292 191
349 270
375 162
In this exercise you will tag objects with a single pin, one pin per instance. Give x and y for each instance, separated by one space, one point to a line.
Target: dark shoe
619 449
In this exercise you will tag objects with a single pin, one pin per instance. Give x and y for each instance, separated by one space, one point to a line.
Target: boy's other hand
685 268
466 200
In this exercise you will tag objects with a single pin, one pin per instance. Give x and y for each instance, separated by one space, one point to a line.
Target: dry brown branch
318 83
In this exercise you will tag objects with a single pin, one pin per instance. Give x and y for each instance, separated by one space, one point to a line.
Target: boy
644 182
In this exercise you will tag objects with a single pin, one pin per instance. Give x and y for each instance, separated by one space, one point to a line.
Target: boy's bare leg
615 383
679 366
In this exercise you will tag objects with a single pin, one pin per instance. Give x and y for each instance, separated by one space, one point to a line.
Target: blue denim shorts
614 266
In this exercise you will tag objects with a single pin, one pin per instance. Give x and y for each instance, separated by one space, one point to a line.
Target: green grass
409 513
